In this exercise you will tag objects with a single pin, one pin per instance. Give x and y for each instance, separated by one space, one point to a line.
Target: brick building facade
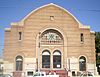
49 38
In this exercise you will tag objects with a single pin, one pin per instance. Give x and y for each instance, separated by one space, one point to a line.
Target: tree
97 46
97 42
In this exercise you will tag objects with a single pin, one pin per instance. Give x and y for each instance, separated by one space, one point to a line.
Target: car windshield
1 75
86 74
5 75
37 74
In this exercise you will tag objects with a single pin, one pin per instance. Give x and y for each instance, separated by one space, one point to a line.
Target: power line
13 45
7 7
92 10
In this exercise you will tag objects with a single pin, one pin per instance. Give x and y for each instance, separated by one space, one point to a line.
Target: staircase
61 73
17 74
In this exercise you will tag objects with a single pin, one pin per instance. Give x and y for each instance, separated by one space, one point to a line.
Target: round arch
51 4
53 28
38 41
51 36
46 52
57 52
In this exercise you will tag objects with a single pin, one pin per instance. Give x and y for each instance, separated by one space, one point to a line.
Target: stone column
51 61
62 64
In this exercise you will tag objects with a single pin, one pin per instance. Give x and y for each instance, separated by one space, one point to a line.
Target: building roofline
21 23
46 6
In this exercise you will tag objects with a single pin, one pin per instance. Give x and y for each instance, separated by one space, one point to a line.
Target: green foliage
97 42
98 60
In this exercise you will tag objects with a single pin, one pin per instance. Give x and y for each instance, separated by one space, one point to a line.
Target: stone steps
17 74
61 73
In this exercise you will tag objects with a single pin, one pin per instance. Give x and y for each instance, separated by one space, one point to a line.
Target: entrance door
46 59
82 63
57 59
19 63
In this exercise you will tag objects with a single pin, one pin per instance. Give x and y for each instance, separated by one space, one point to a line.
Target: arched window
57 59
45 59
20 35
51 36
19 63
82 37
82 63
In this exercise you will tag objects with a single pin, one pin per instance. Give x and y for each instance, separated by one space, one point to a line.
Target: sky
86 11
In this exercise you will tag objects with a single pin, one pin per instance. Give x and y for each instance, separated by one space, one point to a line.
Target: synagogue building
49 38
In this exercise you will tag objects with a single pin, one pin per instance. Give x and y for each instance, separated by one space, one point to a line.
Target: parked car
5 75
43 74
86 74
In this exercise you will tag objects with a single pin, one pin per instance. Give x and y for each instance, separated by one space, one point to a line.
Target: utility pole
39 53
69 64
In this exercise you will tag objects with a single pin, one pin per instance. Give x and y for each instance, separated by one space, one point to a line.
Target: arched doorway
82 63
45 59
57 59
51 39
19 63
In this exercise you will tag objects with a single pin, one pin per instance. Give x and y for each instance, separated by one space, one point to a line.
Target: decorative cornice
17 24
93 32
7 29
84 27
